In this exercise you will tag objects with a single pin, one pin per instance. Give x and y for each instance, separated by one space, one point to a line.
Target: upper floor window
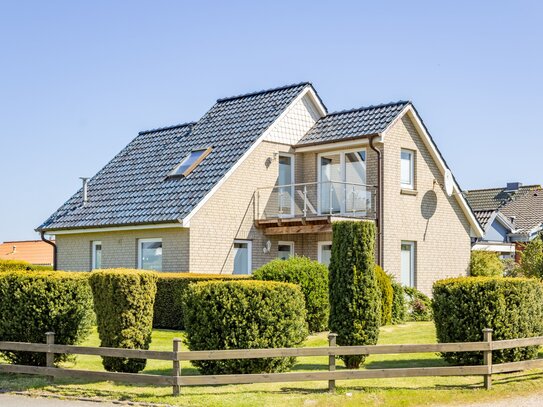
150 254
190 162
407 167
96 255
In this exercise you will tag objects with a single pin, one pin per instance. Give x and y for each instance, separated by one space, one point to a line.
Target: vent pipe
85 181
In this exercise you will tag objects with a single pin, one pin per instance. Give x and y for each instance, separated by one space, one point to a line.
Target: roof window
190 162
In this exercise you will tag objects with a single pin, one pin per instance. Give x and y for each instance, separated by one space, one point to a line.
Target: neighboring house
510 216
262 176
35 252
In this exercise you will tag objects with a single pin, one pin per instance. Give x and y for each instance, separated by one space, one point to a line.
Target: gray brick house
263 175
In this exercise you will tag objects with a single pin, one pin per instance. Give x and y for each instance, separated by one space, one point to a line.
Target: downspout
42 234
378 204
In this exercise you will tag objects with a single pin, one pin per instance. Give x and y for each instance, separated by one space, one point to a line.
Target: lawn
389 392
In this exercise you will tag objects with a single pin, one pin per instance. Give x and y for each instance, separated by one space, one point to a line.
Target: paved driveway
10 400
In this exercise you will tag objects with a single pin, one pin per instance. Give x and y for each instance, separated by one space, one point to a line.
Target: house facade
264 175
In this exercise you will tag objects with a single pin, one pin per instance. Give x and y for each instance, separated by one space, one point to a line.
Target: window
286 187
407 169
190 162
150 254
96 255
325 252
285 250
242 256
408 264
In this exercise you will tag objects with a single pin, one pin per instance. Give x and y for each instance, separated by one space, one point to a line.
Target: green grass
381 392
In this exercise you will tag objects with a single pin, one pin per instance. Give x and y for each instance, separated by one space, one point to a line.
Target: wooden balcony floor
301 225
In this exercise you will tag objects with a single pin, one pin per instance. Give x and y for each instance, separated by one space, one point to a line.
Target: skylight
190 162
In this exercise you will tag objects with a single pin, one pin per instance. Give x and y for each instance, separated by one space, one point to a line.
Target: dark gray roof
527 211
483 216
133 188
494 198
354 123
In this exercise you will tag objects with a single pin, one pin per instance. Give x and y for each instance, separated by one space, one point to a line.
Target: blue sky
78 80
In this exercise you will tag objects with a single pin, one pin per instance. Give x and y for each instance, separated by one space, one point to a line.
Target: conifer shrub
399 303
244 315
384 283
512 307
485 264
355 313
312 277
123 302
33 303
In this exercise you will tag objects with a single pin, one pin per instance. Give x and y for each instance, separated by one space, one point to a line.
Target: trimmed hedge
312 277
123 302
512 307
32 304
419 305
20 265
354 297
399 304
485 264
384 284
170 288
244 315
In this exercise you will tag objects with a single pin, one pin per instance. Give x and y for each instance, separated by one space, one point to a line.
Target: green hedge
485 264
354 297
170 288
419 305
32 304
512 307
384 284
244 315
312 277
20 265
399 304
123 302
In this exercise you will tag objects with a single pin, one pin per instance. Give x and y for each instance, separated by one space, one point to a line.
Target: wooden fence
176 380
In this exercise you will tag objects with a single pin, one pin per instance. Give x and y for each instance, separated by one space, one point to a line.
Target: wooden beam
292 230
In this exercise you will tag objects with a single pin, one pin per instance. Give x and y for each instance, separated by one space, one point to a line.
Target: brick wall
120 249
434 221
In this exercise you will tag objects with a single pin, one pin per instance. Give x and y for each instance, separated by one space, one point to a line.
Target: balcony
311 207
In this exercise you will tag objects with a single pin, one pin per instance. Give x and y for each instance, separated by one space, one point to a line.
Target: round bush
512 307
170 288
384 284
33 303
123 302
419 305
244 315
312 277
355 313
485 264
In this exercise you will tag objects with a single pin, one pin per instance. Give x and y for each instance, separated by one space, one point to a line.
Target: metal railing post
330 198
487 358
354 208
280 201
305 201
50 356
176 371
332 361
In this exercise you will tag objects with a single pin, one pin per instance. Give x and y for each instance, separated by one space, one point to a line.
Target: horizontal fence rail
176 380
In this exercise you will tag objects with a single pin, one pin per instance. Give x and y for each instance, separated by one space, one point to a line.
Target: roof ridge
260 92
174 126
503 188
357 109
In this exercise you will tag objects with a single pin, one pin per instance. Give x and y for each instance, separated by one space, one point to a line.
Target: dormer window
190 162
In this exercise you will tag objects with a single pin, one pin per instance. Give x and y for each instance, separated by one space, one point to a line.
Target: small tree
354 297
386 293
531 258
485 264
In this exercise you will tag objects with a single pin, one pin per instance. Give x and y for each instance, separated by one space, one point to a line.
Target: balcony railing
315 199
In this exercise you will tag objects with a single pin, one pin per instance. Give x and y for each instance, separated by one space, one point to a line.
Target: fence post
487 358
176 373
332 361
50 356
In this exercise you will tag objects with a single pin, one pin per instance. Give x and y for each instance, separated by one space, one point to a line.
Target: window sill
405 191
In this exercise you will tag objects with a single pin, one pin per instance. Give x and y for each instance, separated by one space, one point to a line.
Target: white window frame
293 181
319 250
411 153
342 172
412 246
93 253
285 243
148 240
249 254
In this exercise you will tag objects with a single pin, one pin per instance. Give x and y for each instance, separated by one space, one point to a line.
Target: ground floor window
285 250
242 256
408 264
150 254
325 252
96 255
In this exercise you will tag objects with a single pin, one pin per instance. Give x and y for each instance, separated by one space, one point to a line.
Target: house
35 252
510 216
263 175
